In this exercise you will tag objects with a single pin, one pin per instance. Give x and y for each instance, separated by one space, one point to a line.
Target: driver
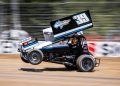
74 41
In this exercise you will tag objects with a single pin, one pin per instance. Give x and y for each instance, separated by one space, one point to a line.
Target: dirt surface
14 72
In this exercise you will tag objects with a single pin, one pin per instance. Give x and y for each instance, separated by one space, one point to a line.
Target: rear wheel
35 57
85 63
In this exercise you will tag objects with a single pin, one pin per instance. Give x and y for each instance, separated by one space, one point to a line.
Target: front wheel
35 57
24 57
85 63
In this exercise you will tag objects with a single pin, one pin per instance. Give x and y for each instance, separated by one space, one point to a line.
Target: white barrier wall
107 49
98 49
8 46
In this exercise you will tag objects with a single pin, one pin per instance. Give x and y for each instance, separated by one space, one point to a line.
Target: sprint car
67 47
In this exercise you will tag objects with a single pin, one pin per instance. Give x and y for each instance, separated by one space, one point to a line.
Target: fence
36 16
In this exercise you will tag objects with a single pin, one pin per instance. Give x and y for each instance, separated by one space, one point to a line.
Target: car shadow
44 69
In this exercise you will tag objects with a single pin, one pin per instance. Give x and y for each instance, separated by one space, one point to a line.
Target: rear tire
85 63
35 57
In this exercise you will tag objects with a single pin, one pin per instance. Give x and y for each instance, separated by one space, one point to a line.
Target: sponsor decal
104 49
92 48
81 18
110 49
60 24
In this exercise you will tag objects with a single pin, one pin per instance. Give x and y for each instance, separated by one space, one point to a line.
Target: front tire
24 58
35 57
85 63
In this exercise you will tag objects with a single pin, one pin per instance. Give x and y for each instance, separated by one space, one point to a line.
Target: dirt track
13 72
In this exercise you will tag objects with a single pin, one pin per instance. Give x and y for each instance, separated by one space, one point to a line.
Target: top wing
71 24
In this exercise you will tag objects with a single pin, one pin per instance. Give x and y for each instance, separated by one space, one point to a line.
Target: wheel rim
87 64
35 57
